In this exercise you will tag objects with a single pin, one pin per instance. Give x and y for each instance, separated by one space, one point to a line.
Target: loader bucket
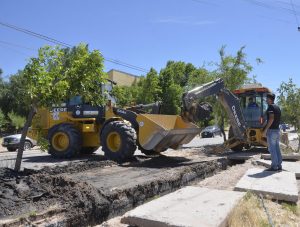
160 132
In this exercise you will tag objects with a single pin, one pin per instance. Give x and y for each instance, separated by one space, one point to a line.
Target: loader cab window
76 100
107 91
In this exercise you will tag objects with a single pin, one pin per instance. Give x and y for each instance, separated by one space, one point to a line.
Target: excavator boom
228 100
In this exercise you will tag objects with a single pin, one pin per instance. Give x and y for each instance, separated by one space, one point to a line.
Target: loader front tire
65 141
118 141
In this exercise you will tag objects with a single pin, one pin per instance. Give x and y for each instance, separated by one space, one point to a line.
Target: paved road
36 159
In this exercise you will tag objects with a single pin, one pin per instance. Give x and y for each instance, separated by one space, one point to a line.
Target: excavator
245 108
76 127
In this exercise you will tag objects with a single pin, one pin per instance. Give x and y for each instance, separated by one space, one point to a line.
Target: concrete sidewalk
293 167
189 206
271 184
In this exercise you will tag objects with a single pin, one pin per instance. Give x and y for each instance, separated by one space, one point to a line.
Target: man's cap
271 96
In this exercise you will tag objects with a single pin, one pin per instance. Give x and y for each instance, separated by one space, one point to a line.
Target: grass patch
248 213
290 207
32 214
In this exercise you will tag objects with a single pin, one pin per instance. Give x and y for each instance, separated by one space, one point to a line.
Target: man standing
272 132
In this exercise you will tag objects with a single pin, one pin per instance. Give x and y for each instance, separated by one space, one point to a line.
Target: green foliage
16 120
32 214
125 96
290 207
289 101
179 71
199 76
17 99
42 142
58 74
151 91
13 95
234 70
2 119
171 92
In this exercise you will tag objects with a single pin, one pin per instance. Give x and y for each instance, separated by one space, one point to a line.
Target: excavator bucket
160 132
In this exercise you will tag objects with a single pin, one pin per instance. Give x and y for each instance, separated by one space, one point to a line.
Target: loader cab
81 109
253 102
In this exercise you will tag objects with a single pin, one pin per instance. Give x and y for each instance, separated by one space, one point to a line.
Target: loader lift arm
228 100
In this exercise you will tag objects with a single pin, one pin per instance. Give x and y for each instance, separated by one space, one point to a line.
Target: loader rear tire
118 141
231 135
65 141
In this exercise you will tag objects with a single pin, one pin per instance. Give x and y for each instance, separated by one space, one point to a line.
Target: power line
16 45
55 41
14 50
273 7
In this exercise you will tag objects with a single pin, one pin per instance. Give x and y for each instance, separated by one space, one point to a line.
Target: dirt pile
81 203
74 167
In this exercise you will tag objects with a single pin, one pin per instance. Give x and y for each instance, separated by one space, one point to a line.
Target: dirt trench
58 197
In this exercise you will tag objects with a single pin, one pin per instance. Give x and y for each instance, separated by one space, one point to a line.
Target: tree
234 70
289 101
198 77
171 92
124 95
2 119
16 121
15 97
150 89
58 74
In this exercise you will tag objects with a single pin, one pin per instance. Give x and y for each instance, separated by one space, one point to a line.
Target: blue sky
148 33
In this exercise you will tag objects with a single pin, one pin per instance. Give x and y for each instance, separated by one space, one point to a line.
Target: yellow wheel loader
75 127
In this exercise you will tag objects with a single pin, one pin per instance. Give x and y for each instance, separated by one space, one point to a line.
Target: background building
122 78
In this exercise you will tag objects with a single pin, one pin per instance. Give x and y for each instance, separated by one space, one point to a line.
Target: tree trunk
23 137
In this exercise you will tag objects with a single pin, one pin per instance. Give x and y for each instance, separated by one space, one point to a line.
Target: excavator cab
253 108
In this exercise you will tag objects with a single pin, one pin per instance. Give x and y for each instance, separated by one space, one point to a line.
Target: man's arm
270 122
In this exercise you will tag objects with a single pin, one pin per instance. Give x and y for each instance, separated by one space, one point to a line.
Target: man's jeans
273 136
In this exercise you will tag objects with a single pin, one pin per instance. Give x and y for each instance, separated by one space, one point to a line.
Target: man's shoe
279 169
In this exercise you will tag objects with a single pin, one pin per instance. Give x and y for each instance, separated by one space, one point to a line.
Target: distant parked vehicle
284 126
12 142
211 131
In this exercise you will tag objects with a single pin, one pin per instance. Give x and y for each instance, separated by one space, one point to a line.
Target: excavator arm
194 111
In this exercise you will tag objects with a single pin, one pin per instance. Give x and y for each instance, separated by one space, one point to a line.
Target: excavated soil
88 193
22 196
